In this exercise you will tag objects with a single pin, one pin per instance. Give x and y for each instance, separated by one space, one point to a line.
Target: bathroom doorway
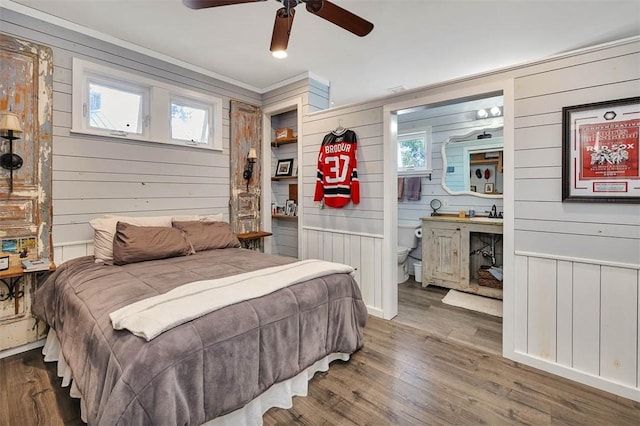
445 117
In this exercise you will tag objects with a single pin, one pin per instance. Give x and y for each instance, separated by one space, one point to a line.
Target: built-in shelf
276 178
284 217
284 142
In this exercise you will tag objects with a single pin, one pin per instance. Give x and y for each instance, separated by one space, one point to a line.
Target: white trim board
23 348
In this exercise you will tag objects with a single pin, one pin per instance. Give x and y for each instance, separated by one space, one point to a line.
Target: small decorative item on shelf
284 134
290 208
36 265
284 167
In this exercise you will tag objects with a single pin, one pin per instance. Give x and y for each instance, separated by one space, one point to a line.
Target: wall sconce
248 168
10 129
488 113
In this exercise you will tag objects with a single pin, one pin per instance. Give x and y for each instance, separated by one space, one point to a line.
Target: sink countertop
478 220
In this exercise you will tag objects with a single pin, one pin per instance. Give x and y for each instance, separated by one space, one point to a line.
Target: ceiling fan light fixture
279 54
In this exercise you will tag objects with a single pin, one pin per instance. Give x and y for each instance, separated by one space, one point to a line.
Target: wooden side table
12 278
253 240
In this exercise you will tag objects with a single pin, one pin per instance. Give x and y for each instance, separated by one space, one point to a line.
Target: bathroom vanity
447 245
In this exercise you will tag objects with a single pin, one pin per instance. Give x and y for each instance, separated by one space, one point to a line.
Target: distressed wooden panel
246 131
18 212
26 88
26 85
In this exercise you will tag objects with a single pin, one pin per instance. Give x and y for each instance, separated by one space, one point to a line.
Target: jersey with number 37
337 179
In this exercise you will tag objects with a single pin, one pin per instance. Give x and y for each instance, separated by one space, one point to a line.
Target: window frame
156 106
116 84
411 134
190 103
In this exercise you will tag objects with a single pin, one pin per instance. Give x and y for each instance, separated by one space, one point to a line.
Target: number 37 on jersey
337 178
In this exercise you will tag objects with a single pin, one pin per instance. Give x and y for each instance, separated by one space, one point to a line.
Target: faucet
494 212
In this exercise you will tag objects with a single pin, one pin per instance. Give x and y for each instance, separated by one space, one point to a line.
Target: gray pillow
208 235
133 243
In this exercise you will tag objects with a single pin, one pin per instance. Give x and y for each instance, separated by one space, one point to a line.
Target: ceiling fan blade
339 16
203 4
282 29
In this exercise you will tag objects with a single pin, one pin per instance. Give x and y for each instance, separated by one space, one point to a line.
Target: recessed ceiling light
280 54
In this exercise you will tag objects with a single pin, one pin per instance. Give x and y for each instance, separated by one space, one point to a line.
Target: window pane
411 153
114 109
189 123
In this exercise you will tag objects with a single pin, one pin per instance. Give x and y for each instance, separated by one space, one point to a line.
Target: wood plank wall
443 128
285 232
577 274
577 260
315 97
95 175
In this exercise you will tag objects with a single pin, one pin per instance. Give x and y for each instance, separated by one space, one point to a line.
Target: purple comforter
202 369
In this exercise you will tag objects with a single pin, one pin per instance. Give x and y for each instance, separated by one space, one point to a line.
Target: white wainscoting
580 317
361 251
71 250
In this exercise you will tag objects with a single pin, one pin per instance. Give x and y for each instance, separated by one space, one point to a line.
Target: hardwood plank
34 396
402 375
422 308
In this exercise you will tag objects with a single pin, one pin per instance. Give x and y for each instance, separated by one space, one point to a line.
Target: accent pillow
208 235
105 230
139 243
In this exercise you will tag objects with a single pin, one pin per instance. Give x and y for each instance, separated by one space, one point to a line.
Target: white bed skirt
279 395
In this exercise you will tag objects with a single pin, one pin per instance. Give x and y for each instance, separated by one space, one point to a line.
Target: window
110 102
115 108
189 121
414 153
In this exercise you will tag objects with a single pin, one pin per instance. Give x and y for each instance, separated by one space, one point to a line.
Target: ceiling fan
284 17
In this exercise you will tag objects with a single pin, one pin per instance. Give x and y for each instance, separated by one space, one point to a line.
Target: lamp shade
10 121
252 154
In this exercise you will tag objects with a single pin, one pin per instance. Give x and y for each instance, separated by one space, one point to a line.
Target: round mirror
435 205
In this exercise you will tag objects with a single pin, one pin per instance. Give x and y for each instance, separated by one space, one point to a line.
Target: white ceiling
414 42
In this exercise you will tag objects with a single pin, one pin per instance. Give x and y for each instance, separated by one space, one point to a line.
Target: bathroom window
414 153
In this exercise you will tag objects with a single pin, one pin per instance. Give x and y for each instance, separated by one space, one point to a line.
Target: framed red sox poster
600 152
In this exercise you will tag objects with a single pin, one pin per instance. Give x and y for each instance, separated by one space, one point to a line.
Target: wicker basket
486 279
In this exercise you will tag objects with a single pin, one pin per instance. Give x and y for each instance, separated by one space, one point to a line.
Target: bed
223 367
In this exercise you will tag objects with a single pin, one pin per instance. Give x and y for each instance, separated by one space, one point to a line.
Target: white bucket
417 267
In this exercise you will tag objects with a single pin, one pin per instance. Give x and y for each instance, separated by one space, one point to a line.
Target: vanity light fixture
488 113
248 168
10 128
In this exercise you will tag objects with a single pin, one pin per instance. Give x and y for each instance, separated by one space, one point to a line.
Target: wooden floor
422 308
402 376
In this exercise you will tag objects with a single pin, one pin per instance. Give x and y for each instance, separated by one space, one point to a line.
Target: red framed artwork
600 152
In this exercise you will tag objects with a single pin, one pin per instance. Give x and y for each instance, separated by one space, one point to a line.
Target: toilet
407 241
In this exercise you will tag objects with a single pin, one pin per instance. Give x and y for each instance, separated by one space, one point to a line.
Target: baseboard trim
578 376
23 348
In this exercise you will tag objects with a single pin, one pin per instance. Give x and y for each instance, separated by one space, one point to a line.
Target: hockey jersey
337 178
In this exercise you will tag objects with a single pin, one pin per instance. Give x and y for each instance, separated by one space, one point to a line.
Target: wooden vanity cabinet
441 245
446 242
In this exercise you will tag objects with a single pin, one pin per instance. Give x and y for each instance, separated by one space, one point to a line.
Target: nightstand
253 240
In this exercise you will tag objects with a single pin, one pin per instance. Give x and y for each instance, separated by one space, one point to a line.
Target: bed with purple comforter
204 368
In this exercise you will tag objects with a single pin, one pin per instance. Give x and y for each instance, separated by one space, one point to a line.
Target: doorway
448 114
282 190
